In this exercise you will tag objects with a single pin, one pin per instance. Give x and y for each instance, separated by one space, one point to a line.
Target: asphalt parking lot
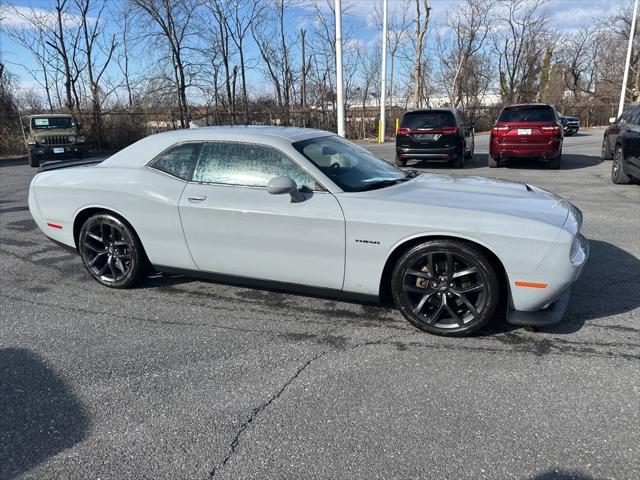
186 379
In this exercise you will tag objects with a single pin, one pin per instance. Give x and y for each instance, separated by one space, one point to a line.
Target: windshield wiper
380 184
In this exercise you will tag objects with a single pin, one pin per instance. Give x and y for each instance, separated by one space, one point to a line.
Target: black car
570 125
434 134
621 143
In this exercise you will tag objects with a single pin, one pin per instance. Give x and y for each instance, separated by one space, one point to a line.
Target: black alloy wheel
618 174
111 252
445 287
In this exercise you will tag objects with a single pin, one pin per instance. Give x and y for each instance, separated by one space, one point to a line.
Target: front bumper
555 306
57 151
436 154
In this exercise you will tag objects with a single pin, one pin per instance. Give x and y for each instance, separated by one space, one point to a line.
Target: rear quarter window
527 114
178 161
418 120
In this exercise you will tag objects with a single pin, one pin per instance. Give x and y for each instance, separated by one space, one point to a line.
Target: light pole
383 93
627 64
339 83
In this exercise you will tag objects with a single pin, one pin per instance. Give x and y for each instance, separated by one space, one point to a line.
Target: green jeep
52 137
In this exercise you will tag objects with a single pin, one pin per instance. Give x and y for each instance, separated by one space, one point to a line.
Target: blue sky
566 15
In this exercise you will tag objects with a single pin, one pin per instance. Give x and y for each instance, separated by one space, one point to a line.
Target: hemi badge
54 225
531 284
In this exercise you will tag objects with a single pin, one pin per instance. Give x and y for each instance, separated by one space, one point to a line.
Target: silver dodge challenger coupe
306 210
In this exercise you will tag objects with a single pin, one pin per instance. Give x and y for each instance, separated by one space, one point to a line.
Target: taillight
403 131
551 129
500 129
449 129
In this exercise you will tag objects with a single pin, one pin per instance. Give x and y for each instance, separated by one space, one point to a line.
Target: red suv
526 131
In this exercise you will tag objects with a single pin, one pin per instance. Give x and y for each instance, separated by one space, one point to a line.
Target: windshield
529 113
351 167
51 122
424 120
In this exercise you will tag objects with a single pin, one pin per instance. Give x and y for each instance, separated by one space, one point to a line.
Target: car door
632 141
233 226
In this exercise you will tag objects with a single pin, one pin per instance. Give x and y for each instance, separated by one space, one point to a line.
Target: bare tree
520 47
421 21
174 22
95 43
470 25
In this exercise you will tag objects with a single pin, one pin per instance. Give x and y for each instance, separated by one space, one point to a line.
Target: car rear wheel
493 162
458 161
555 162
618 174
111 251
400 162
445 287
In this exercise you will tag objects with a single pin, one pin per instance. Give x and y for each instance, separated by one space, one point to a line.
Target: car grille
57 140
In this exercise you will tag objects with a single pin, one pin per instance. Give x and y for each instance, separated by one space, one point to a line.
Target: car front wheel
111 251
445 287
618 174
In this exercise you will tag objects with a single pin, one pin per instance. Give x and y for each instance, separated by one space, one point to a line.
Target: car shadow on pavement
569 162
14 162
561 474
478 161
39 414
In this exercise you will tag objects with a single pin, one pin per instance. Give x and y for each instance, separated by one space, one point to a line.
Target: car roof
516 105
242 132
49 115
140 152
426 110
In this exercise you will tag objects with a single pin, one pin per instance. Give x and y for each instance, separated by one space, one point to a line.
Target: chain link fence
123 128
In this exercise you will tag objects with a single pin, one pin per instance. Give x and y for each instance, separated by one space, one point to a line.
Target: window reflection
246 165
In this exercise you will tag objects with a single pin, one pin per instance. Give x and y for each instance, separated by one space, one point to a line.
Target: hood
52 132
481 194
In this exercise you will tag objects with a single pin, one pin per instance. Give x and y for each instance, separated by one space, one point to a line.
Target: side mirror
282 185
612 120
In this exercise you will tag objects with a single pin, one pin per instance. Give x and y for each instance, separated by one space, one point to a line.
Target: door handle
197 198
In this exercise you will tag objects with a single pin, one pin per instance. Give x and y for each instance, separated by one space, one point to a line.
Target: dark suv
434 134
621 143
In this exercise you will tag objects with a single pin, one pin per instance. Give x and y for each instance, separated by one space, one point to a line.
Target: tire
426 299
400 162
458 161
618 174
605 152
469 154
555 162
34 161
493 162
111 252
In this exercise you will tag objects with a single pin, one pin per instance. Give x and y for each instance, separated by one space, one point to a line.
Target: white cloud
24 18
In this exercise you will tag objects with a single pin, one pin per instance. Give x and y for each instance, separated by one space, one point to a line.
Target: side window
178 161
247 165
627 116
635 115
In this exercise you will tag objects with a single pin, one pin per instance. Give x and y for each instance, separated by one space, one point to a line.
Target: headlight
80 139
71 138
579 250
39 139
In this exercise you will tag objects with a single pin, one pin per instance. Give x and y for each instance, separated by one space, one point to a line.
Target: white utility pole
627 64
339 83
383 93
